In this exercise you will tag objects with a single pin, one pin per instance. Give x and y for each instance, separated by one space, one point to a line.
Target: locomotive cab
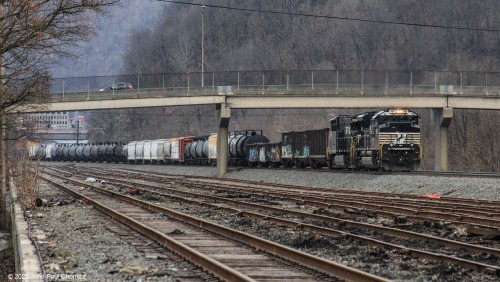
399 139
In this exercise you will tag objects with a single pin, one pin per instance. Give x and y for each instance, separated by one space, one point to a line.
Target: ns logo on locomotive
378 140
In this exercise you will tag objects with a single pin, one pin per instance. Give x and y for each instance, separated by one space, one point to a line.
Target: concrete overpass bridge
440 91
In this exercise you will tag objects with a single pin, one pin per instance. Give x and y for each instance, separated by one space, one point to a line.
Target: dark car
118 86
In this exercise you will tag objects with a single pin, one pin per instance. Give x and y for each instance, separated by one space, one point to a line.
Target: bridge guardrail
366 90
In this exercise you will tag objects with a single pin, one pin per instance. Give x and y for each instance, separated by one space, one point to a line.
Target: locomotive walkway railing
332 82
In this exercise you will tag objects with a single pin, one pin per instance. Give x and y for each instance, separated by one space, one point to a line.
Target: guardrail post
163 83
63 89
138 85
411 82
113 86
287 82
213 81
337 86
386 83
238 81
263 81
188 81
461 83
435 83
88 89
362 83
312 80
487 84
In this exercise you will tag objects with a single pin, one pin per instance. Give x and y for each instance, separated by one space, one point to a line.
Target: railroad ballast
387 140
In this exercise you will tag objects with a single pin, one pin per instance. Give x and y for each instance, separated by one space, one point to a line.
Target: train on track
386 140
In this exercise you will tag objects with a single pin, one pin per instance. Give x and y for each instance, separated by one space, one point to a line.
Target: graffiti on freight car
304 153
274 154
287 151
262 154
252 154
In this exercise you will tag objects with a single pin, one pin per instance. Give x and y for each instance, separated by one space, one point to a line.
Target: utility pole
77 130
3 169
202 46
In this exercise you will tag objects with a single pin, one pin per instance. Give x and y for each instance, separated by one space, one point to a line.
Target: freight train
378 140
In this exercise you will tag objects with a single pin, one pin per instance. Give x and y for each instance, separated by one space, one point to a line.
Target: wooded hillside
247 40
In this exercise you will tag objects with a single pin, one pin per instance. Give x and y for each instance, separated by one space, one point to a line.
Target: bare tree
33 34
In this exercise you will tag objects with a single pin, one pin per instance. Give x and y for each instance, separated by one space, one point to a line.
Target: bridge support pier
442 119
222 136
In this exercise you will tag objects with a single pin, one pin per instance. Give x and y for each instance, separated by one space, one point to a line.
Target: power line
331 17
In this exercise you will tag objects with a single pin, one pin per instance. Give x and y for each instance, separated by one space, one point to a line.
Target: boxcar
212 149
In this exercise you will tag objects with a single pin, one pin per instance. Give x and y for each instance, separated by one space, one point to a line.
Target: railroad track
208 186
373 172
227 254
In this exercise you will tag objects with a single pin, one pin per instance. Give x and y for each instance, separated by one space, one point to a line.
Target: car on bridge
118 86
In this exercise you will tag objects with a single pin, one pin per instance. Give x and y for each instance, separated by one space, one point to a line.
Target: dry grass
27 174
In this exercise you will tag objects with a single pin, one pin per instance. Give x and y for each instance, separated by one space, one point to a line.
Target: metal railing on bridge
318 82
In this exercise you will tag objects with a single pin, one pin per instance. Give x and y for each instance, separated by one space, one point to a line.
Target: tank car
101 153
65 153
48 151
196 151
237 144
86 152
72 152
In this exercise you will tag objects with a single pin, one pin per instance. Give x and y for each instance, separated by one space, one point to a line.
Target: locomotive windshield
399 123
396 118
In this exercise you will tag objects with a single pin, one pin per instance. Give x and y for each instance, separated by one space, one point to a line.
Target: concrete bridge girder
442 119
222 136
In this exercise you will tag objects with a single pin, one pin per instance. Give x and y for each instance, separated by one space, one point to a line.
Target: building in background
61 127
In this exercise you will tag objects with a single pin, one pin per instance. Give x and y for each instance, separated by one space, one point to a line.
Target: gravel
462 187
74 240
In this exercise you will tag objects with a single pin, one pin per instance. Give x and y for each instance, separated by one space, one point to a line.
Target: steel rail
477 266
387 230
245 183
431 212
199 259
304 259
384 210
